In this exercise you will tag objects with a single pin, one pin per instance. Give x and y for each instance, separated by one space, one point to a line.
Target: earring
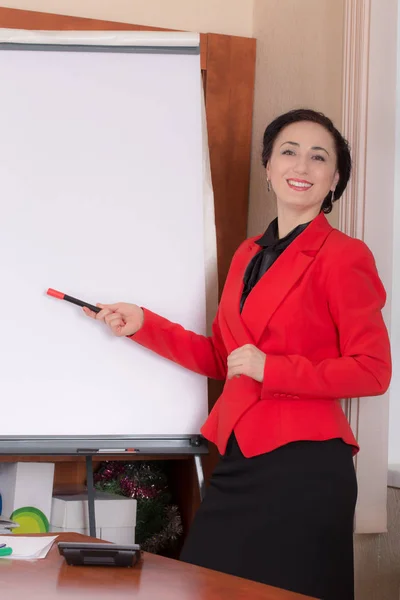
268 185
333 196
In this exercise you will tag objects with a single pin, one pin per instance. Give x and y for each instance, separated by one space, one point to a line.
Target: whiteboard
101 191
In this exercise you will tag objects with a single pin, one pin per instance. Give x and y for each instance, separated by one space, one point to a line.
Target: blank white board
101 192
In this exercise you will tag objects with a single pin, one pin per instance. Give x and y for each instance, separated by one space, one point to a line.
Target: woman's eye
292 153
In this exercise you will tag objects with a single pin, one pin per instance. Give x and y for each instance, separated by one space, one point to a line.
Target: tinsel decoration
158 522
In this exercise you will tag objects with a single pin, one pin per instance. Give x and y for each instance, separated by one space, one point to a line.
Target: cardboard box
117 535
29 486
115 516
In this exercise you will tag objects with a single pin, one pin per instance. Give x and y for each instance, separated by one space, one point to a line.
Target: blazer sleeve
356 297
201 354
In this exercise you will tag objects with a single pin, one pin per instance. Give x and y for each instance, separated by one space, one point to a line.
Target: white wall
233 17
299 64
378 172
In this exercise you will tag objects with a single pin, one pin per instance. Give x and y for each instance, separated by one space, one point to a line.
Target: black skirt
284 518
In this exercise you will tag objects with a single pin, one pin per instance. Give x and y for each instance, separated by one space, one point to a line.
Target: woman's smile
299 185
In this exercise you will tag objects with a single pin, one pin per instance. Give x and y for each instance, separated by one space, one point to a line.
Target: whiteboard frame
99 445
106 41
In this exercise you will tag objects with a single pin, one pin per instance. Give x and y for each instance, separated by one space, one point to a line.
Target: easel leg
90 491
200 476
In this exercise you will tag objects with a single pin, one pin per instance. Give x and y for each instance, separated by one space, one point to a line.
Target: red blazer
316 313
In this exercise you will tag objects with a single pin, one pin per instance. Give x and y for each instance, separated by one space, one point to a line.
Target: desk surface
155 578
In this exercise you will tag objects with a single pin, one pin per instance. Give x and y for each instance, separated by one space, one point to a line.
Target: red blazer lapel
230 299
276 283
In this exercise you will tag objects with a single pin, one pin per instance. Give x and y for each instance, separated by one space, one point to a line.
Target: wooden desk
155 578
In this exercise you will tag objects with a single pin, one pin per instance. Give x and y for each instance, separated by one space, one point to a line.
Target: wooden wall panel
229 105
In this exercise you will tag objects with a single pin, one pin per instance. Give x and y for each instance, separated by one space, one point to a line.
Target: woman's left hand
247 360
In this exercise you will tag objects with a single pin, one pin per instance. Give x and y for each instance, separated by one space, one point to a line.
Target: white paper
102 38
144 164
27 548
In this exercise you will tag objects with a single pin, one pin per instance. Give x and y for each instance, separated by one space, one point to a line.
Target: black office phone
93 554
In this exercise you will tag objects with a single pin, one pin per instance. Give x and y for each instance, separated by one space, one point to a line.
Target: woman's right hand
123 319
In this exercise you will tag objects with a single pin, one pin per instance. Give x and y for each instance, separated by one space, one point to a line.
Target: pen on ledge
107 450
5 551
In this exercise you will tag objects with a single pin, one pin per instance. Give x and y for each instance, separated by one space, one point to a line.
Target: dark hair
342 146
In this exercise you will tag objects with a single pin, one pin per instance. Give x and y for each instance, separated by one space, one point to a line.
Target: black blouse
271 248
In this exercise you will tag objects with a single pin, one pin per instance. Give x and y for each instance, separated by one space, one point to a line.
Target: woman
299 327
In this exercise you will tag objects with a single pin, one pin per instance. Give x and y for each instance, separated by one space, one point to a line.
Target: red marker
62 296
